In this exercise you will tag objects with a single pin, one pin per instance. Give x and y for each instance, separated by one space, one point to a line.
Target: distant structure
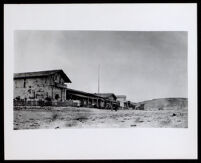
41 85
109 96
110 100
122 100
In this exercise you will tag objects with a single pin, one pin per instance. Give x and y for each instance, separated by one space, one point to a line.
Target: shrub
54 116
48 99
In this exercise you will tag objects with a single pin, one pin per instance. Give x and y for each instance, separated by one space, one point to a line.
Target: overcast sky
140 65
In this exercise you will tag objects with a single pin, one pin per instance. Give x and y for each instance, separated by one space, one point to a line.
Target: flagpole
99 78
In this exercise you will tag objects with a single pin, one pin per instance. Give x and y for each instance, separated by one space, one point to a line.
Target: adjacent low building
85 99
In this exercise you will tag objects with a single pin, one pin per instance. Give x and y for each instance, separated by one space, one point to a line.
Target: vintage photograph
100 79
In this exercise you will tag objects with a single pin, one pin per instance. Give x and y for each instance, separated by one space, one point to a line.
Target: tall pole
99 78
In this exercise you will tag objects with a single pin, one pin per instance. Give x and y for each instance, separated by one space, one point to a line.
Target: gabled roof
121 96
41 74
106 95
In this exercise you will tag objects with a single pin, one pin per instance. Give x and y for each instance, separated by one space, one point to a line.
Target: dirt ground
72 117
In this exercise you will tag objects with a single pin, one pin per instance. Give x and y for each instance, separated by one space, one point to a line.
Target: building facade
41 85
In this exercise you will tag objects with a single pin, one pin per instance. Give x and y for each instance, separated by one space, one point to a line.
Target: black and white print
100 79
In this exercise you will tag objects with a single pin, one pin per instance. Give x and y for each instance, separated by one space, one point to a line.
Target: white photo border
132 143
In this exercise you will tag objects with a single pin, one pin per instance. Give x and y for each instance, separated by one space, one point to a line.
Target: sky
142 65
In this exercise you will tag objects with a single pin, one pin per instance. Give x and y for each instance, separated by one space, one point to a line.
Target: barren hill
165 104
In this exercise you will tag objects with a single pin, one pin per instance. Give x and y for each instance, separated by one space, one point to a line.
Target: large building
50 88
41 85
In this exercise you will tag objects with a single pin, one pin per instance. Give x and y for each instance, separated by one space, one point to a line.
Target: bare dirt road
72 117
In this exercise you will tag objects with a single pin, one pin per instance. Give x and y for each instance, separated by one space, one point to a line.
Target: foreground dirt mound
166 104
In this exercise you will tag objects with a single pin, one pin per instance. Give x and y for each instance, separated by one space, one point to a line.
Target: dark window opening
56 96
24 83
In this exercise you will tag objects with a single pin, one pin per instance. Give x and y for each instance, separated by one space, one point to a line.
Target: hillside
165 104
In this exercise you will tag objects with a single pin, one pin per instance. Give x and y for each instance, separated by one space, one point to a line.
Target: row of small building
50 87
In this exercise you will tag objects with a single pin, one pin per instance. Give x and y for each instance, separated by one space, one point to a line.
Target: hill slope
165 104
